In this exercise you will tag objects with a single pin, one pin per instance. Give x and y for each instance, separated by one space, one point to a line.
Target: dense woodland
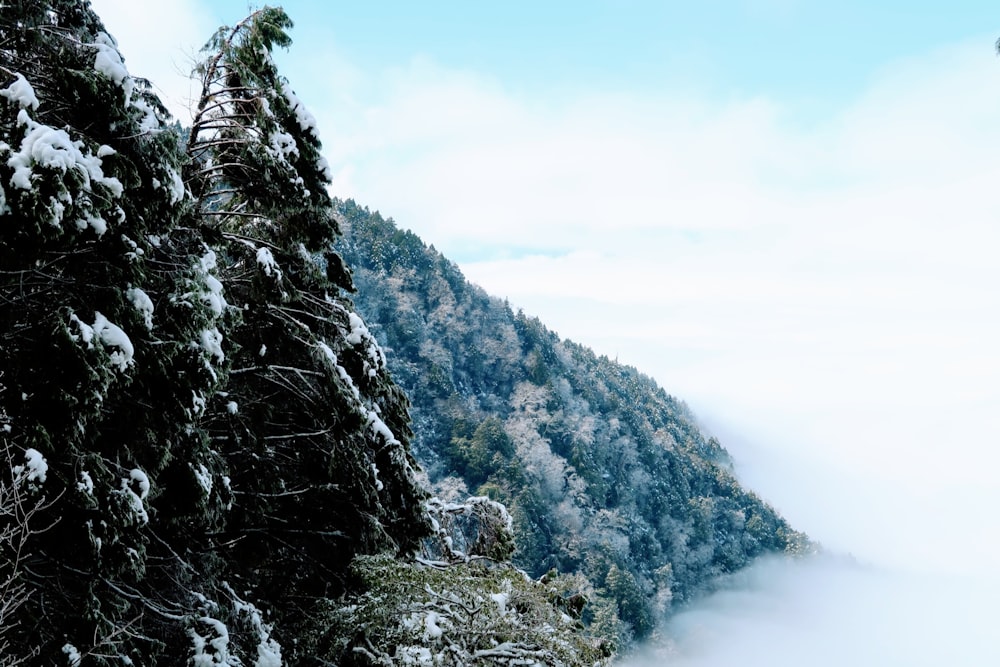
211 456
604 473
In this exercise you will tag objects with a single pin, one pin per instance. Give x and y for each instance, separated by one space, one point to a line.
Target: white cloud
830 613
823 286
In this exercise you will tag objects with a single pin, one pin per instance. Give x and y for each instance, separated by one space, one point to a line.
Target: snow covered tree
18 505
455 615
461 602
314 431
107 322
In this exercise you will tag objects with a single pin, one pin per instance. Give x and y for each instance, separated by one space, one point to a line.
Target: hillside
604 473
203 457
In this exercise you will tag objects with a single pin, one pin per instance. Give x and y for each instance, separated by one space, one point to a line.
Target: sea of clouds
833 612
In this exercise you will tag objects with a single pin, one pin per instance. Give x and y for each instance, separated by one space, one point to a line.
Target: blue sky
785 212
809 52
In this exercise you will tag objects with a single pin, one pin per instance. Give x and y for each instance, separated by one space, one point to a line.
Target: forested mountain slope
604 473
203 458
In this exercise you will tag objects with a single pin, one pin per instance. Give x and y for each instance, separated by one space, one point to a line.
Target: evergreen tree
314 431
107 319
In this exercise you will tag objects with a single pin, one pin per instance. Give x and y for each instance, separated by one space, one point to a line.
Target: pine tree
108 318
315 432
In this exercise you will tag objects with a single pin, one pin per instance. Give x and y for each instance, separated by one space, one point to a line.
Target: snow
263 350
150 122
373 421
198 403
282 145
138 476
379 427
111 335
86 331
307 122
359 335
136 252
73 656
431 628
175 187
325 169
268 650
21 93
109 63
378 483
203 476
501 600
212 295
211 343
141 301
327 352
232 407
99 224
358 329
34 469
219 645
266 261
417 656
86 484
53 149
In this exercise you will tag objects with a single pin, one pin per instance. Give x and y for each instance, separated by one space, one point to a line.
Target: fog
828 611
906 574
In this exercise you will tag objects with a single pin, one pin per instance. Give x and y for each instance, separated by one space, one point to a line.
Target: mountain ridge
604 472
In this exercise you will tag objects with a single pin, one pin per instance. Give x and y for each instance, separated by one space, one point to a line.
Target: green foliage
486 453
409 613
103 381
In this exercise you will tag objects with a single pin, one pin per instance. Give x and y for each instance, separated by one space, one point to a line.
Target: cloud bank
830 612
